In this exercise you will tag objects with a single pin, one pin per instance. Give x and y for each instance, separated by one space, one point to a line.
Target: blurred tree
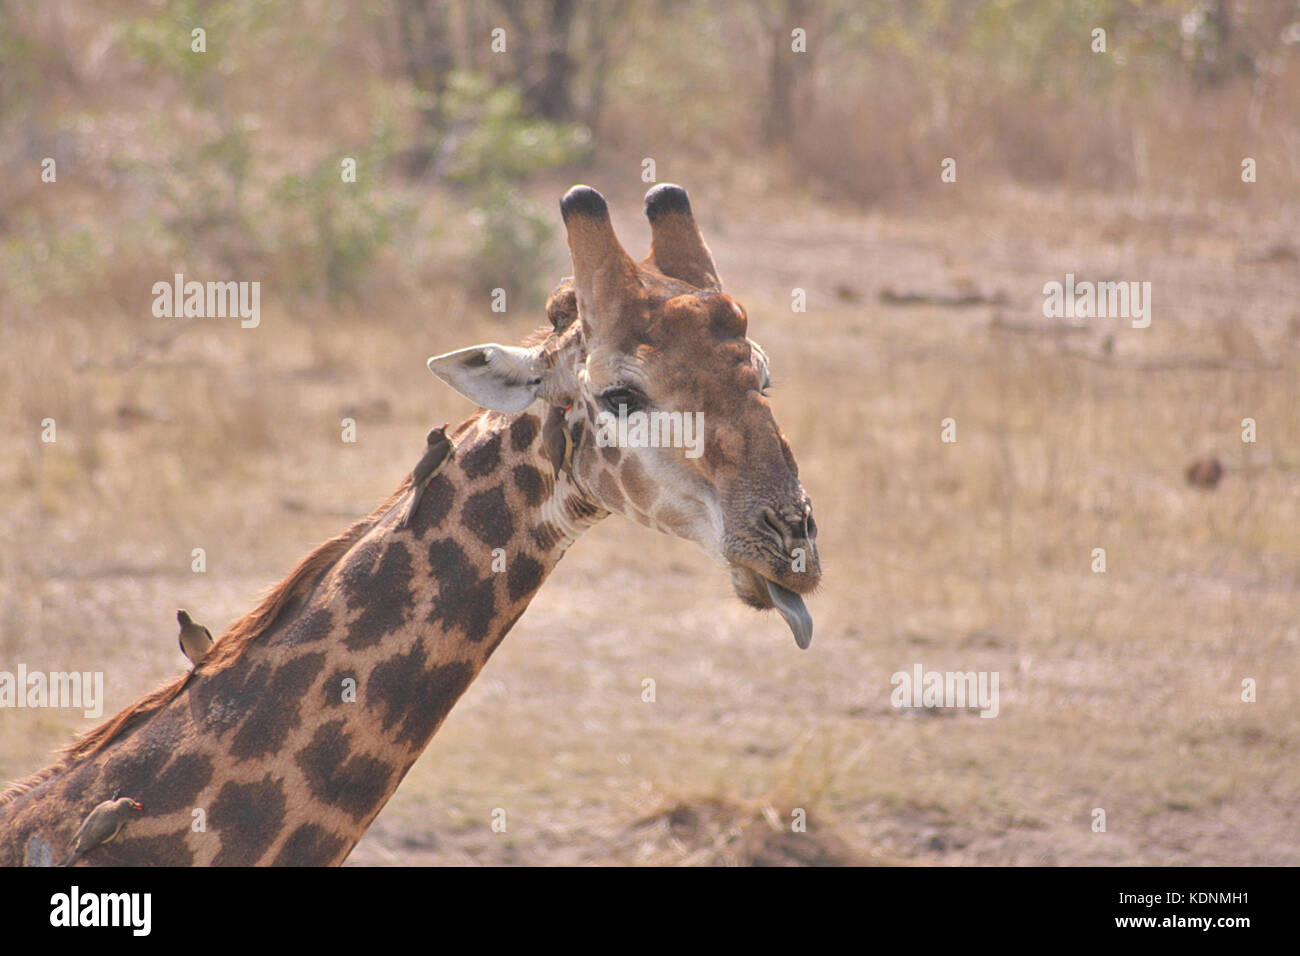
778 115
596 52
543 68
427 51
792 77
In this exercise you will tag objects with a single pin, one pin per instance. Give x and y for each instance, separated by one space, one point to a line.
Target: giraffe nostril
790 528
776 525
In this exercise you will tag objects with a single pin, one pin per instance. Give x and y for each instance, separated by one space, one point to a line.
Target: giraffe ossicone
307 712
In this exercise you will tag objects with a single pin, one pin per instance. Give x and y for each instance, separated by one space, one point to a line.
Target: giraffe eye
621 395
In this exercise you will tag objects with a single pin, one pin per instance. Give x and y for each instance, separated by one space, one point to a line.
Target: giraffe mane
538 336
225 652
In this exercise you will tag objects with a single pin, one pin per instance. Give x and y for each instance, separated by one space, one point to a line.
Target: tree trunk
550 95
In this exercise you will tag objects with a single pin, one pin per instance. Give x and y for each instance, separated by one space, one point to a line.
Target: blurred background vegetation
229 161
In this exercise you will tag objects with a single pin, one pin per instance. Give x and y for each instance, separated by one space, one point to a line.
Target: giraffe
297 727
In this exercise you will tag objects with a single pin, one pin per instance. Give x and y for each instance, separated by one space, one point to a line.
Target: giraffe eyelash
618 395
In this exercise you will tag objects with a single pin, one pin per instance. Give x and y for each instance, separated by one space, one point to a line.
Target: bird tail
409 511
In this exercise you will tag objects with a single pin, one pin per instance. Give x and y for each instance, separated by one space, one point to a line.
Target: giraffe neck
292 745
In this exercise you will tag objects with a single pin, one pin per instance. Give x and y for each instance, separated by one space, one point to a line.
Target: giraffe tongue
793 610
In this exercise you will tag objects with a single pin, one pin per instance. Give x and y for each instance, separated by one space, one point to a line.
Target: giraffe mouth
761 592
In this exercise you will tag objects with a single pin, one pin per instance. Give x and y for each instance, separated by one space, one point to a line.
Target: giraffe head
657 401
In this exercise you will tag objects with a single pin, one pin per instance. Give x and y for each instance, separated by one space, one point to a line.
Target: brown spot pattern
313 626
167 849
178 786
483 458
309 845
464 598
530 483
277 711
546 536
523 431
523 576
356 784
248 818
416 697
488 517
384 597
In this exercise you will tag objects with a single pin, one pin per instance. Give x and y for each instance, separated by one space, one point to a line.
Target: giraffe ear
504 378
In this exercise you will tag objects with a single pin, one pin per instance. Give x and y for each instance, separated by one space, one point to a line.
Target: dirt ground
1119 690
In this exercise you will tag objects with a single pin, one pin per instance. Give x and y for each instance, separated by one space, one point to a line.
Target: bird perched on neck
438 450
102 826
557 439
196 640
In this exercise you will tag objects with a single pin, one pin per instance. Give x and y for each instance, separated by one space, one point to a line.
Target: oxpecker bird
438 451
196 640
102 826
557 440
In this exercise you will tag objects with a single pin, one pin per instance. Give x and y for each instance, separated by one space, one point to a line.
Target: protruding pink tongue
793 610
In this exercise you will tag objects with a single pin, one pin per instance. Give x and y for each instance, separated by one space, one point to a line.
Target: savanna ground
1120 691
